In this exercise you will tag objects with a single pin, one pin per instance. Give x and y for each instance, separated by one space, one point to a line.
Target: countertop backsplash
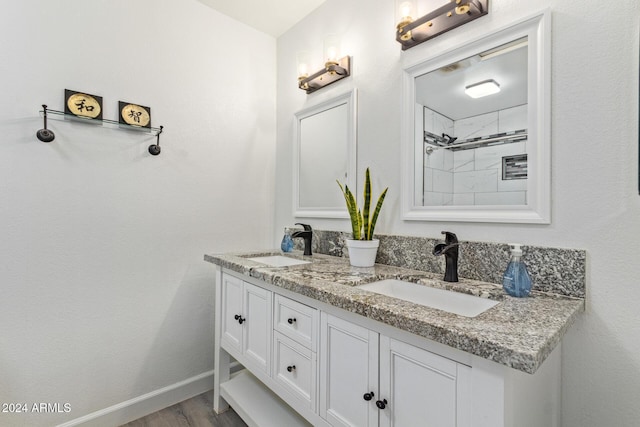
553 270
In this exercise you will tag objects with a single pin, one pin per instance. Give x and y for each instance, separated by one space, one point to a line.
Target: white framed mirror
324 151
487 158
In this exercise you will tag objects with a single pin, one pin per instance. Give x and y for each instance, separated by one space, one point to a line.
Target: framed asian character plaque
134 114
81 104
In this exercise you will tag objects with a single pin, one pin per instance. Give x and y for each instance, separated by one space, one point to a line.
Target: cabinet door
349 369
231 306
257 326
420 387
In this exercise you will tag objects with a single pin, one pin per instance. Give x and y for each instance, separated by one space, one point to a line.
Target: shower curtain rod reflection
437 141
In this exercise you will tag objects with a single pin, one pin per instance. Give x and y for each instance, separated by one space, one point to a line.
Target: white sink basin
278 261
453 302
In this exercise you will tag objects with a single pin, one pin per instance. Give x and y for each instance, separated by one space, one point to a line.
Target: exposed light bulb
406 10
332 53
331 49
303 70
303 59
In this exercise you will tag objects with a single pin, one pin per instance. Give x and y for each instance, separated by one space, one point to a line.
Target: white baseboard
146 404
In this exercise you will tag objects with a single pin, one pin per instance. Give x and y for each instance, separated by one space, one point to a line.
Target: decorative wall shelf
46 135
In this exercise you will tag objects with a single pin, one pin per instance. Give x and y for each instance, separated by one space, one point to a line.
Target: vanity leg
221 375
221 357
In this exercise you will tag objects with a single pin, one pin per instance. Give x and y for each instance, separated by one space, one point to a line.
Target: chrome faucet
450 251
306 234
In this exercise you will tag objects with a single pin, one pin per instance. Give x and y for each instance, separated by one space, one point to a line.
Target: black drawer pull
368 396
239 318
291 320
291 368
381 404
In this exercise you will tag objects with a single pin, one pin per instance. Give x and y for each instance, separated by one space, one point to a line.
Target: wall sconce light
335 68
411 32
483 88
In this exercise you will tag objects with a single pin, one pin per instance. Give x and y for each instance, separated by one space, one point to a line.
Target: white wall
594 166
104 295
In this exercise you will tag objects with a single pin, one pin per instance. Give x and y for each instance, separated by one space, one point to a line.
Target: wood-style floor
195 412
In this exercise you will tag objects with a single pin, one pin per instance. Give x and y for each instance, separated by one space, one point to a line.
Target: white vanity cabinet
311 363
275 338
369 379
246 321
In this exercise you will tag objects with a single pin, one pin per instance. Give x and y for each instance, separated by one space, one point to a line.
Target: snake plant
362 224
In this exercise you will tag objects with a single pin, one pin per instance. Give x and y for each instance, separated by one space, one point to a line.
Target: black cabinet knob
291 368
239 319
368 396
381 404
291 320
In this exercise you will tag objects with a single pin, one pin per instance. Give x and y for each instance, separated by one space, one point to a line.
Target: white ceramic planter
362 253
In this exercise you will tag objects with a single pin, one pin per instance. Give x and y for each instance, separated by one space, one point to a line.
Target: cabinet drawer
297 321
295 368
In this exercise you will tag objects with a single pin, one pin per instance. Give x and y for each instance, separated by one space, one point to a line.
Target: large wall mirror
324 151
476 139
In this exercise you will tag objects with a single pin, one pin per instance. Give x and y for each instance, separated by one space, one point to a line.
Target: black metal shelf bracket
45 135
154 149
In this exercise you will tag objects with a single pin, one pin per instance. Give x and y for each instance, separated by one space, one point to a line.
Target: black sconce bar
332 72
441 20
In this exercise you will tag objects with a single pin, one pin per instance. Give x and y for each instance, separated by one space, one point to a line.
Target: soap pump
516 281
287 242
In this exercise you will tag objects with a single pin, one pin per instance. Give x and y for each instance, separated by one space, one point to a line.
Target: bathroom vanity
320 350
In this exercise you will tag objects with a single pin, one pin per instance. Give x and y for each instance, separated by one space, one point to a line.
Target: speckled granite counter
519 333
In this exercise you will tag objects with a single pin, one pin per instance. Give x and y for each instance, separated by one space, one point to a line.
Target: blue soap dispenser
287 242
516 281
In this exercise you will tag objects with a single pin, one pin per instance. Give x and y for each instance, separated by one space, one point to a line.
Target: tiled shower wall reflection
473 177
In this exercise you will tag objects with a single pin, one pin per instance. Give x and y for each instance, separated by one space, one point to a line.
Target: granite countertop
519 332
